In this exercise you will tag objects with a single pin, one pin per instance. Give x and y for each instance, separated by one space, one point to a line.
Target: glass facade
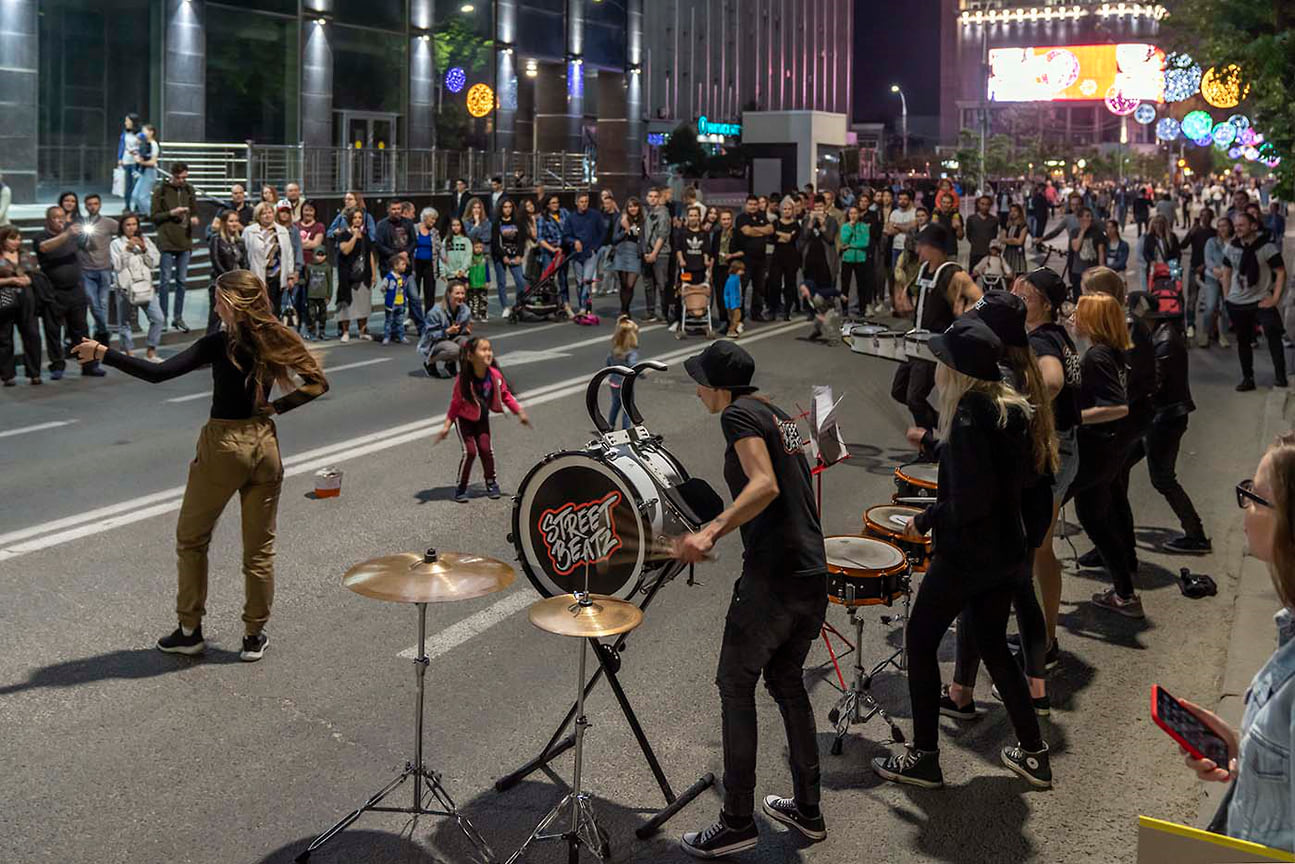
252 77
370 70
605 34
464 56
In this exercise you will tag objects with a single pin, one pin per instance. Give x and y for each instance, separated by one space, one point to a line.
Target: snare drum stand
609 664
857 704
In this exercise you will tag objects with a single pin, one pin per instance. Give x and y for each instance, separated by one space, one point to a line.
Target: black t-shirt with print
786 536
752 247
1105 378
1052 340
694 245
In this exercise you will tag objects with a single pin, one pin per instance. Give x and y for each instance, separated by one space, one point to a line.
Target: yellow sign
1224 87
1160 841
481 100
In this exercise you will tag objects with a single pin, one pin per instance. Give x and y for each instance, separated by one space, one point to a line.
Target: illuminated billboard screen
1077 72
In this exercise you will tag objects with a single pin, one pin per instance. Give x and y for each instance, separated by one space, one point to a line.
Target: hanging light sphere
1240 121
455 79
1145 113
1182 77
1205 140
1197 124
480 100
1224 87
1224 134
1247 137
1168 129
1234 153
1250 153
1119 104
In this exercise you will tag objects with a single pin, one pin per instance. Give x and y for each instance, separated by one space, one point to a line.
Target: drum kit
877 569
593 530
877 340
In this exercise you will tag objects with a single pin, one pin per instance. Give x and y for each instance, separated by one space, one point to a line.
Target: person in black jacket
394 235
980 550
228 253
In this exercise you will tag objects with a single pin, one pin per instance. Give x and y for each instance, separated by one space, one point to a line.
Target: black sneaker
492 489
719 840
1034 767
1051 660
911 766
461 495
1246 385
253 648
784 810
1188 544
1280 382
1042 704
949 708
1129 607
179 324
1091 560
178 643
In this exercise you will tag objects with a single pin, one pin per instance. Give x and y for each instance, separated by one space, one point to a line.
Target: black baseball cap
1050 283
724 366
1004 313
970 347
934 234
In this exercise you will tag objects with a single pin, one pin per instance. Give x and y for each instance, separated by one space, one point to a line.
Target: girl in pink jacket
479 390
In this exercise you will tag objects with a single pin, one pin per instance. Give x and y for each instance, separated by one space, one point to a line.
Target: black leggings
425 276
780 287
1029 620
628 282
945 592
1101 467
862 273
23 318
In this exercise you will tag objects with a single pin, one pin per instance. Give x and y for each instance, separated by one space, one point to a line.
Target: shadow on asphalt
1149 577
1089 622
931 813
124 664
878 460
507 818
439 493
358 847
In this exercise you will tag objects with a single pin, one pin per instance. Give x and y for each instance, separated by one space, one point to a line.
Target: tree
684 150
1257 35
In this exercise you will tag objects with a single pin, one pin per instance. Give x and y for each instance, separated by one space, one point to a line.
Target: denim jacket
1261 807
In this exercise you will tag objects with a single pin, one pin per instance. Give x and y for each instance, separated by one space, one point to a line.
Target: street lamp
903 115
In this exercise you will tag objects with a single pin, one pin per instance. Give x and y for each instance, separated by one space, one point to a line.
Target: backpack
1166 290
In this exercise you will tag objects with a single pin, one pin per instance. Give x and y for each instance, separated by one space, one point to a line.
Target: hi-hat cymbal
428 577
604 616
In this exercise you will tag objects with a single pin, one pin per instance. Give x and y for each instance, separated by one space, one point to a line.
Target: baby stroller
540 300
696 308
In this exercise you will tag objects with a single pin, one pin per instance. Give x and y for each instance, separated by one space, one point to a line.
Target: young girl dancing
625 352
479 390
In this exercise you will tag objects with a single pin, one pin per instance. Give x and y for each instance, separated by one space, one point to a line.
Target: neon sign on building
1133 71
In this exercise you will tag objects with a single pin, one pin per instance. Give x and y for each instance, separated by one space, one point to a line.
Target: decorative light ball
1168 129
1273 161
455 79
1234 153
1088 87
1250 153
1060 69
1119 104
1224 87
1240 121
1145 113
480 100
1247 137
1205 140
1197 124
1224 134
1182 77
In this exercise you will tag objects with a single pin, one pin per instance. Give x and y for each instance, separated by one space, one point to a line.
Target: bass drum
599 510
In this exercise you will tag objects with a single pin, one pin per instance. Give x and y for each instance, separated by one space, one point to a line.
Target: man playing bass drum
944 291
778 603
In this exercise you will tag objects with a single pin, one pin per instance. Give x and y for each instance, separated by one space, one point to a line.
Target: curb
1252 637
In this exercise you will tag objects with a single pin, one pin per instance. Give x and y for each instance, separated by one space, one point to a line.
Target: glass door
370 144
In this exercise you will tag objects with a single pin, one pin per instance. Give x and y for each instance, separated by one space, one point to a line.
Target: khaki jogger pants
233 456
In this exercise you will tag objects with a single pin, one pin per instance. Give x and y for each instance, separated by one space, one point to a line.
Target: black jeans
946 591
65 324
753 284
1102 463
1161 446
1244 317
773 619
1029 620
780 288
913 383
864 274
23 317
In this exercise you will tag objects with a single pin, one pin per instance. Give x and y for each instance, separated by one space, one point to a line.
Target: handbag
141 293
119 181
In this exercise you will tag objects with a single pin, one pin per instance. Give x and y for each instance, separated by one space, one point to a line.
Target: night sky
896 41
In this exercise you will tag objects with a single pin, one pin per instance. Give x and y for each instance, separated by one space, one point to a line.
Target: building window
251 77
370 70
463 39
605 25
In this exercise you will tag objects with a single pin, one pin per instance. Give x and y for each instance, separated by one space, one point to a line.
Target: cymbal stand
583 829
444 804
609 660
857 704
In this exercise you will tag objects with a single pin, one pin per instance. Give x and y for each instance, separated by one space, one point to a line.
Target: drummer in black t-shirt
778 603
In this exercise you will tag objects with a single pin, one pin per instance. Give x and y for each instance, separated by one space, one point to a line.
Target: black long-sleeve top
976 518
233 395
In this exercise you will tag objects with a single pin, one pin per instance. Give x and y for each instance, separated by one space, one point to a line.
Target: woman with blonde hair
625 352
980 550
238 449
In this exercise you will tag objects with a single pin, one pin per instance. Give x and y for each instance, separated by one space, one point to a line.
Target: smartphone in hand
1187 729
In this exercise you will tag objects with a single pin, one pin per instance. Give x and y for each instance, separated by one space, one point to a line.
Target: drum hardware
916 480
857 704
421 579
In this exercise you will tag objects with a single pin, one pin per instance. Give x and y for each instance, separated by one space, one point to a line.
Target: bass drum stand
857 704
609 656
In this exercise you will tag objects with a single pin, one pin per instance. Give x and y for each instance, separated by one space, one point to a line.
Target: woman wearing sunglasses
1258 807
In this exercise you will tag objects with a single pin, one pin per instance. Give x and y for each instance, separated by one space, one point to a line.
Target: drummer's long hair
954 385
277 351
1043 427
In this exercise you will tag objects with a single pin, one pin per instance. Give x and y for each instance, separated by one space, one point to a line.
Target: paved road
113 752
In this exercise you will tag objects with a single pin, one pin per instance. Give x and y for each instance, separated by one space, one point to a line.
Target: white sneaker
674 325
508 312
346 337
1223 340
741 328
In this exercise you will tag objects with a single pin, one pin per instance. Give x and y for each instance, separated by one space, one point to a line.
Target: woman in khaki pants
238 449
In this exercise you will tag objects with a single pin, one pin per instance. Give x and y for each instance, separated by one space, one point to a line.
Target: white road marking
192 396
328 370
39 427
68 529
522 358
474 625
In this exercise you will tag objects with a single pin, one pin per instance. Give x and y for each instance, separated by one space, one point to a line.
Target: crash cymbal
428 577
604 616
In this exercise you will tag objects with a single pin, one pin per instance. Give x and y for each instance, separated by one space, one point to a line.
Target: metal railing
214 167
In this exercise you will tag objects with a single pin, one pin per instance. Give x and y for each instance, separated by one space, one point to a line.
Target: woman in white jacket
269 253
134 258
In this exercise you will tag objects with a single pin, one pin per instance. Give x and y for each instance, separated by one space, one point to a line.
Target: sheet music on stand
825 433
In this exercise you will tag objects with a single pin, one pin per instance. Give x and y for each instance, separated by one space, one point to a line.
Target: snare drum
917 345
876 341
916 480
862 571
887 522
